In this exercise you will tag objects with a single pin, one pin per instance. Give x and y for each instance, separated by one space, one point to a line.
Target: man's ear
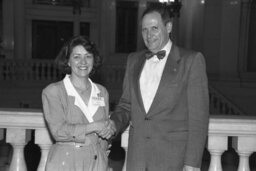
169 26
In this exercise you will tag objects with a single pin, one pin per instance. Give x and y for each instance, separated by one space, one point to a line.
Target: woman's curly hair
63 56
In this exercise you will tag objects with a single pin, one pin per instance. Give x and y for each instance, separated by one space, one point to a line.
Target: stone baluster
1 70
29 70
18 139
43 71
42 138
1 134
54 73
37 72
244 146
49 69
124 144
26 68
217 144
7 71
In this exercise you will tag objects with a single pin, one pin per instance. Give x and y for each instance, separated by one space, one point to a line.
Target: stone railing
221 105
17 124
18 78
27 70
242 130
46 70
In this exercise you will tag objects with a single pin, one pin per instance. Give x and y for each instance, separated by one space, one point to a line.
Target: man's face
155 34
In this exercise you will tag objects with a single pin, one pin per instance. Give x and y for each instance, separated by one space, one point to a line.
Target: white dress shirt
151 75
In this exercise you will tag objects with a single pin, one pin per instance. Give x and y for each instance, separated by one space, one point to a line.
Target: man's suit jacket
173 132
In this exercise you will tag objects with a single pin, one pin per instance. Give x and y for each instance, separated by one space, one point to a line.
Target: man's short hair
161 9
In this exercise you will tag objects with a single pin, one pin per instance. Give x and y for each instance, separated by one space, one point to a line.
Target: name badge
98 101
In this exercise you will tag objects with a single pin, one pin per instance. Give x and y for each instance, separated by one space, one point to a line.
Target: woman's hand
107 129
99 125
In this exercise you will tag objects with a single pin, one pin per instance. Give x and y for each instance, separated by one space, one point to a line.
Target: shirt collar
71 91
167 49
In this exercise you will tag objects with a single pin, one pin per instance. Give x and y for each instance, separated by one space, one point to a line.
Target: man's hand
189 168
108 131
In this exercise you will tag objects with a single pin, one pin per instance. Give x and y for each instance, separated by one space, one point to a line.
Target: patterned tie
160 54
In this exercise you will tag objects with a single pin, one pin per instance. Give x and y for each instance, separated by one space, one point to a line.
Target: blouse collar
88 110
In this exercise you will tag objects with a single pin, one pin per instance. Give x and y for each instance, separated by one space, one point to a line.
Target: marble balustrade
242 130
17 124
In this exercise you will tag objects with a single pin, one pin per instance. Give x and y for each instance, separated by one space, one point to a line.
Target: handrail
222 105
21 118
232 125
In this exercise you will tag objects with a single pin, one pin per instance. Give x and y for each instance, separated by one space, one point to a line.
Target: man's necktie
160 54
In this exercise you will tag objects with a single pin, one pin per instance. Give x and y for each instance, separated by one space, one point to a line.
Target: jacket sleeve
104 143
55 115
198 108
121 115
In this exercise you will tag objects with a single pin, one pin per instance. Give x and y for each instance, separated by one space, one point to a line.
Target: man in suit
164 100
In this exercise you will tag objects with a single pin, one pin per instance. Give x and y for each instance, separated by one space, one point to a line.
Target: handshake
104 128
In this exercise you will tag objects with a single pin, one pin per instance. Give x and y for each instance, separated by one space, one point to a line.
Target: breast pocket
179 135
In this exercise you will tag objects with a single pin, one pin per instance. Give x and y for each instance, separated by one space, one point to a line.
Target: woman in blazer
76 111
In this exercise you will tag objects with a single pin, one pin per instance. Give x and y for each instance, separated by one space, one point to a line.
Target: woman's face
81 62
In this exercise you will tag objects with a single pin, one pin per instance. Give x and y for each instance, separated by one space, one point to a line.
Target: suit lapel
137 72
169 74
